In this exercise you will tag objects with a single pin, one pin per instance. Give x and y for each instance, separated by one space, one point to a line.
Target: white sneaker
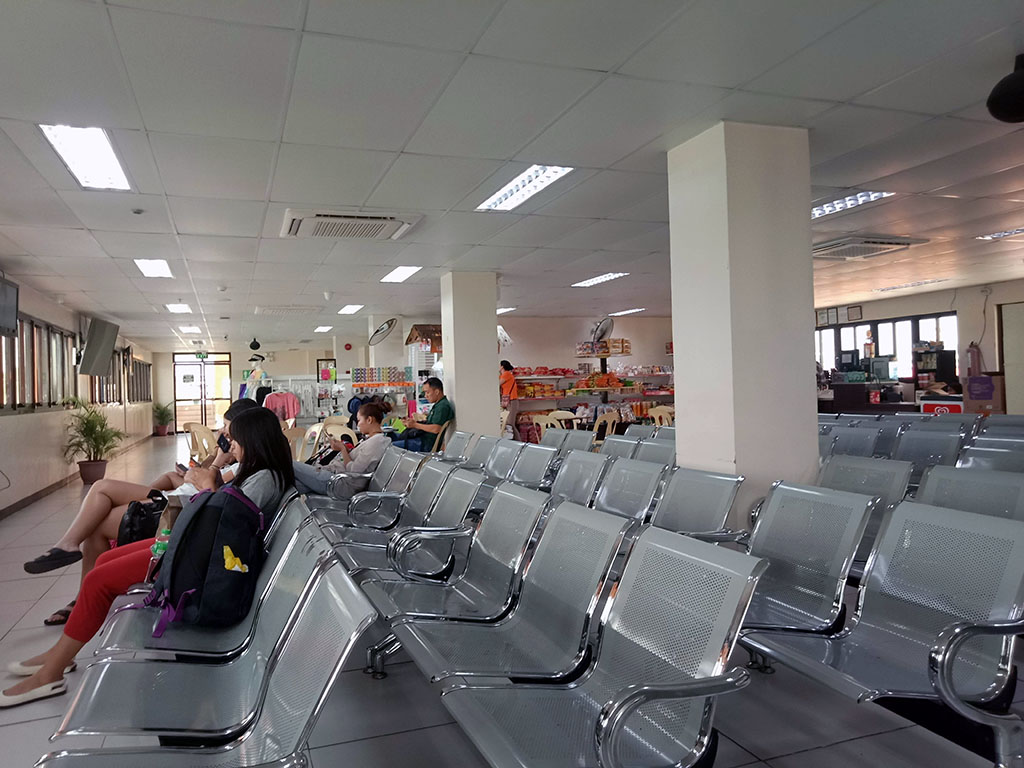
42 692
23 670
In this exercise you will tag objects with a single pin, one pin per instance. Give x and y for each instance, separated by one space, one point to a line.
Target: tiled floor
779 721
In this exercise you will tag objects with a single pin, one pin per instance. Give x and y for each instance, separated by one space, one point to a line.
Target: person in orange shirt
507 382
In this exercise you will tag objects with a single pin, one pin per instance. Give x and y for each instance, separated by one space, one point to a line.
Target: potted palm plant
163 415
90 436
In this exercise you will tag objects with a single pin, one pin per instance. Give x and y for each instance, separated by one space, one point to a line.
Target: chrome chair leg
378 653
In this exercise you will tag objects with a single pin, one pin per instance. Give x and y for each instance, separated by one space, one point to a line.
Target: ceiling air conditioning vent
338 224
859 247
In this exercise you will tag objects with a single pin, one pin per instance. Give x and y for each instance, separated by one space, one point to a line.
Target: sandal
55 558
61 616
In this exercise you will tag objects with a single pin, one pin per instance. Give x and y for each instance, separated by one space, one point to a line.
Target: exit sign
202 355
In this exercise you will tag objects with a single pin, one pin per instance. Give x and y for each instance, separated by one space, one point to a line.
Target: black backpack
208 574
141 519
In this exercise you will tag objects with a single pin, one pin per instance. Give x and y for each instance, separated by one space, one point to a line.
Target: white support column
742 305
469 339
391 351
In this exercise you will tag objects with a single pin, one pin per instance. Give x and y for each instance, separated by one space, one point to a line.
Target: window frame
36 367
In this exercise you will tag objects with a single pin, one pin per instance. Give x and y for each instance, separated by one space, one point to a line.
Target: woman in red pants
265 470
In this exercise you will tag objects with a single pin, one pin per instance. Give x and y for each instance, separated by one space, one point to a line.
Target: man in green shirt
420 435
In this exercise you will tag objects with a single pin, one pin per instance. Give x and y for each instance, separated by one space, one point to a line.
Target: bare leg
54 661
104 496
168 481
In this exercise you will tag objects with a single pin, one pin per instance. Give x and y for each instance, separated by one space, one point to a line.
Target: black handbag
141 519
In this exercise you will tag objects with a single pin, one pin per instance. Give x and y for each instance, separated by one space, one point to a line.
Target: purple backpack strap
170 612
230 489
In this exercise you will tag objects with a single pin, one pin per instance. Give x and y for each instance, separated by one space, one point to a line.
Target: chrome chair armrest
723 536
612 720
405 539
1008 728
755 511
371 502
335 477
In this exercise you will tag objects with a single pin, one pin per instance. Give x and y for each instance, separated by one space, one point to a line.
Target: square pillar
743 305
469 340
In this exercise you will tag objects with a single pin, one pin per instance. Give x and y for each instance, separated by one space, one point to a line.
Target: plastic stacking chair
641 431
566 419
607 421
663 415
310 442
546 421
1000 494
696 501
649 699
619 446
296 437
547 632
578 477
657 451
300 672
337 427
629 488
204 440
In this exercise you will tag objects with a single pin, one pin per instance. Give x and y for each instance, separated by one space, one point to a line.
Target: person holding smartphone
355 461
99 516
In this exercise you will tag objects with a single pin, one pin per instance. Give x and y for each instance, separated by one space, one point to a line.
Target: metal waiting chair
578 477
577 440
619 446
554 437
1000 494
666 433
547 633
649 697
941 425
992 459
630 488
641 431
1004 420
826 446
927 449
696 501
497 469
938 607
379 479
481 450
854 441
457 448
999 440
301 670
657 451
887 431
371 507
534 466
1004 431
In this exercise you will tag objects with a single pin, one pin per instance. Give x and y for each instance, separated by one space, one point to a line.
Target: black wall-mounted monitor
8 308
99 346
849 360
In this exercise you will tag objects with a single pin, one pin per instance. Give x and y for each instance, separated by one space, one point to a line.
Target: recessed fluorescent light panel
400 274
627 312
179 309
1001 235
600 279
350 309
523 187
910 285
845 203
89 156
503 310
153 267
189 329
322 328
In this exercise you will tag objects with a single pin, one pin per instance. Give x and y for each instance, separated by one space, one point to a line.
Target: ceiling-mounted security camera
254 345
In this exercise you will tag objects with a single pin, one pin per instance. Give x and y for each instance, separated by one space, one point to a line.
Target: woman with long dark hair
265 472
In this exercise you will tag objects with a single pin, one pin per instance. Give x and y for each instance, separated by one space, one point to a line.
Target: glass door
202 388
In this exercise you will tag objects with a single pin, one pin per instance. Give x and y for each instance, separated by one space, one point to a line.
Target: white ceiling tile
10 248
269 270
81 267
21 264
425 182
202 248
979 217
449 24
136 245
616 118
746 107
382 97
201 166
599 262
271 13
203 216
427 255
654 239
60 65
509 171
878 216
848 127
114 211
592 34
36 208
977 111
55 242
1008 184
887 40
340 273
326 175
489 257
46 166
294 251
195 76
460 227
604 234
605 193
654 208
136 157
537 231
355 252
178 286
492 108
543 260
728 42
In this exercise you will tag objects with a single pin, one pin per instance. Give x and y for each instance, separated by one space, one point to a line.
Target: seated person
99 517
265 472
420 435
361 459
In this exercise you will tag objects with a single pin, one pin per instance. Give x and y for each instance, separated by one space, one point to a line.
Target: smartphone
181 467
223 443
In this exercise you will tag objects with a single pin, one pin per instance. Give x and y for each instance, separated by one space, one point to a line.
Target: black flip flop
64 614
55 558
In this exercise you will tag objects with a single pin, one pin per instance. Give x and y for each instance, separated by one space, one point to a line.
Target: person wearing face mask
362 459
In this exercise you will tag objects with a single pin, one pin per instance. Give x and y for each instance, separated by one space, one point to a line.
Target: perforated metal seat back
696 501
619 446
665 433
1000 441
935 425
854 441
500 543
987 493
905 416
970 420
656 451
578 477
385 469
425 489
457 494
484 445
578 440
641 431
408 463
502 458
927 449
993 459
532 466
934 567
888 432
825 445
629 488
554 437
808 535
457 445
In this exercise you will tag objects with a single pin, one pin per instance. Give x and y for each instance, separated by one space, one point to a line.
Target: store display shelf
532 399
369 384
609 390
657 393
604 355
544 378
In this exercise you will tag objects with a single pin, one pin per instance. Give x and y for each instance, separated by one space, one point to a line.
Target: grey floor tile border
379 736
767 761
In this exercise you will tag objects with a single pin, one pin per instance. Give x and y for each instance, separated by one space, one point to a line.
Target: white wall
551 341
